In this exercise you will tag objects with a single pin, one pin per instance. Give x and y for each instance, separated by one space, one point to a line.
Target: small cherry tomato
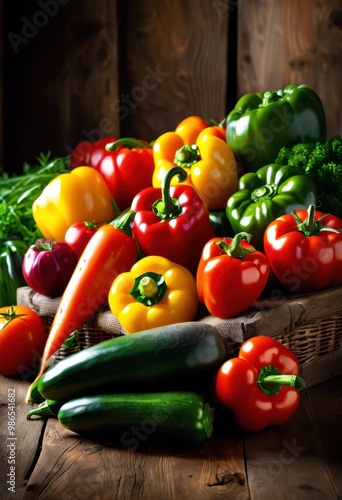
22 340
79 234
48 266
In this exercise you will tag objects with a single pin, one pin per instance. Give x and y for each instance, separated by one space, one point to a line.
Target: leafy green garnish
18 192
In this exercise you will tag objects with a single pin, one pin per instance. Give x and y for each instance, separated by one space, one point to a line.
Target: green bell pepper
11 277
219 223
264 195
262 123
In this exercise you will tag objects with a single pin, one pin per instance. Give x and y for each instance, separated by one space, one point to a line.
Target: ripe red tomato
79 234
48 266
22 340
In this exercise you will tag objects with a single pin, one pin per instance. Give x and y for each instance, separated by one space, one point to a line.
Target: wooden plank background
185 43
293 41
71 71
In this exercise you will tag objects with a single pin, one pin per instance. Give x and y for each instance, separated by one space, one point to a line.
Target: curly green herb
322 161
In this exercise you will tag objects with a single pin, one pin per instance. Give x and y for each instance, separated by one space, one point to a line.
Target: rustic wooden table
301 459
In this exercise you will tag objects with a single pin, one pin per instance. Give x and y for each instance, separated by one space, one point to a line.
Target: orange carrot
111 251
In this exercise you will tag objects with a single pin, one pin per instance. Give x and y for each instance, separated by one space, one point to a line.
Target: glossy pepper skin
48 266
262 123
172 221
127 168
11 276
305 250
231 275
89 153
264 195
261 386
165 146
155 292
81 194
209 163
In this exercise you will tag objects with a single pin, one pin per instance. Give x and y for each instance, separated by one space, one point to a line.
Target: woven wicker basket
310 325
315 339
86 335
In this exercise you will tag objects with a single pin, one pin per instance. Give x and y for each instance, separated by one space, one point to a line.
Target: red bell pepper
126 165
88 153
261 386
48 266
111 251
305 250
127 168
172 222
231 275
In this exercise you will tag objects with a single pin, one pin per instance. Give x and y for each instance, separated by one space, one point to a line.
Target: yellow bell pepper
80 195
155 292
209 162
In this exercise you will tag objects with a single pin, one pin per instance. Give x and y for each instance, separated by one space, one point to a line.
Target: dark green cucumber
139 361
181 417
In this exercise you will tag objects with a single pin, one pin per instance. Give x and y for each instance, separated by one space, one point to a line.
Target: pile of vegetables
199 218
18 229
164 375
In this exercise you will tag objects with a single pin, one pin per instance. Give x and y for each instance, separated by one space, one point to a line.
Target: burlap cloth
269 316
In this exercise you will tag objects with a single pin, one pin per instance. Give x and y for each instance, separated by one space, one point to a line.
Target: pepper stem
270 380
235 249
123 222
187 156
266 192
149 288
309 226
269 97
127 142
168 208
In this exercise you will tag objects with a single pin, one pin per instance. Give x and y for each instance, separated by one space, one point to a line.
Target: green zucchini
181 417
138 361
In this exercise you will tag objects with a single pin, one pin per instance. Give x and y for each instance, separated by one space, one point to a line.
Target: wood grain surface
174 64
292 41
298 460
